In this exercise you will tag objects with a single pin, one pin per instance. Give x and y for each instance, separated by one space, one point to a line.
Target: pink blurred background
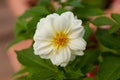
7 22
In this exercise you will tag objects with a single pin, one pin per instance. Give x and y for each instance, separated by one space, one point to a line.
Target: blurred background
7 22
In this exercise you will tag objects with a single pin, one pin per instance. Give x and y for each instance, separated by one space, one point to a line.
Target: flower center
60 40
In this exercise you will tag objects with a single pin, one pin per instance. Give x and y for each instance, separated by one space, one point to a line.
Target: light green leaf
109 69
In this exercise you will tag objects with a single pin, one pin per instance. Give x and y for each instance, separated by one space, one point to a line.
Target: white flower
59 38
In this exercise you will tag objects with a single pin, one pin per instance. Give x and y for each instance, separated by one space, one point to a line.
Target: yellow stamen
60 40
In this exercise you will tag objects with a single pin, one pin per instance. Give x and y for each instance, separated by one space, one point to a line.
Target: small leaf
116 17
103 20
88 31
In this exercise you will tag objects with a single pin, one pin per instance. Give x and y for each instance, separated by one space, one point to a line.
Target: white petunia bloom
59 38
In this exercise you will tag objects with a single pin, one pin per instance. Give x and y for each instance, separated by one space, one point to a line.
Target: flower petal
78 52
42 48
77 44
76 29
69 16
60 24
47 31
61 56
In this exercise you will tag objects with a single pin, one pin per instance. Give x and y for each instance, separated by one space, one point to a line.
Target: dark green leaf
38 68
103 20
88 79
42 74
108 40
75 3
114 28
73 75
116 17
89 57
109 69
87 12
88 31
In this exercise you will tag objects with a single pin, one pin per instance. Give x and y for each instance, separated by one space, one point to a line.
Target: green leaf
109 69
114 28
94 3
27 58
20 72
89 57
42 74
21 27
108 40
88 79
116 17
88 68
22 78
75 3
43 2
88 31
87 12
35 11
60 10
103 20
73 75
39 69
32 25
